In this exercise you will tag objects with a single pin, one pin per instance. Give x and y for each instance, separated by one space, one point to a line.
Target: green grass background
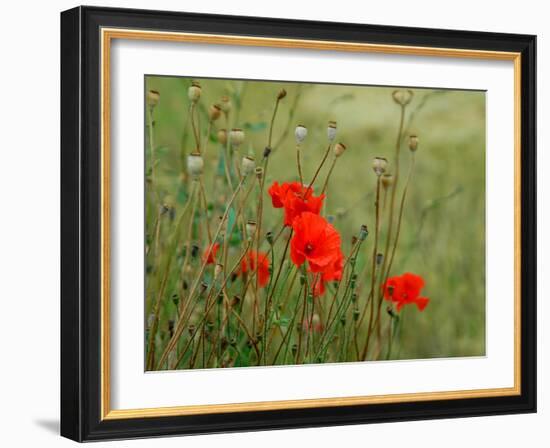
443 232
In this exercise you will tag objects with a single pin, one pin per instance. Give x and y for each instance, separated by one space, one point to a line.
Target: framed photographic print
275 224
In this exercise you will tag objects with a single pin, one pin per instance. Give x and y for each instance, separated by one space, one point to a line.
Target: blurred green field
443 231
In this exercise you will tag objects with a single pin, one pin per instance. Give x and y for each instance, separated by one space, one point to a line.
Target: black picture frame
81 224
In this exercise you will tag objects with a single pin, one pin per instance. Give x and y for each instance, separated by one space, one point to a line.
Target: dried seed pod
214 112
251 228
300 133
386 180
195 164
194 92
153 98
281 94
379 165
225 104
339 149
413 143
222 136
248 165
331 131
236 137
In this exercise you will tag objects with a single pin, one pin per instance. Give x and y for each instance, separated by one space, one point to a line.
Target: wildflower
331 273
379 165
194 92
300 133
214 112
331 131
296 199
247 165
405 289
236 137
339 149
248 263
413 143
315 241
153 98
209 255
195 164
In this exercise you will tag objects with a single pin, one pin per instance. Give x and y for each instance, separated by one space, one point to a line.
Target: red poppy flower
248 263
316 241
331 273
296 199
404 290
209 255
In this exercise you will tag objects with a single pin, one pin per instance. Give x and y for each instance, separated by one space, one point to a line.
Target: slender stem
373 274
325 185
166 269
180 326
319 167
299 164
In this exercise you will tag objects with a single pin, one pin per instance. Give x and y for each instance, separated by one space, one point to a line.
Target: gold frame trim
107 35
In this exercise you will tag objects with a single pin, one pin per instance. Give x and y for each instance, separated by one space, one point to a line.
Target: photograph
296 223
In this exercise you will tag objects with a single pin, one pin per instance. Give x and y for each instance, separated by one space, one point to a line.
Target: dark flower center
309 248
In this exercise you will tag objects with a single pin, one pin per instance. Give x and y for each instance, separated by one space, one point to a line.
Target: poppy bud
194 92
379 165
225 104
413 143
267 151
175 299
281 94
204 287
331 131
236 137
331 219
153 98
214 112
363 233
195 164
269 237
390 311
356 314
339 149
251 228
387 180
379 258
236 300
222 136
194 250
191 330
294 349
248 165
171 327
300 133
